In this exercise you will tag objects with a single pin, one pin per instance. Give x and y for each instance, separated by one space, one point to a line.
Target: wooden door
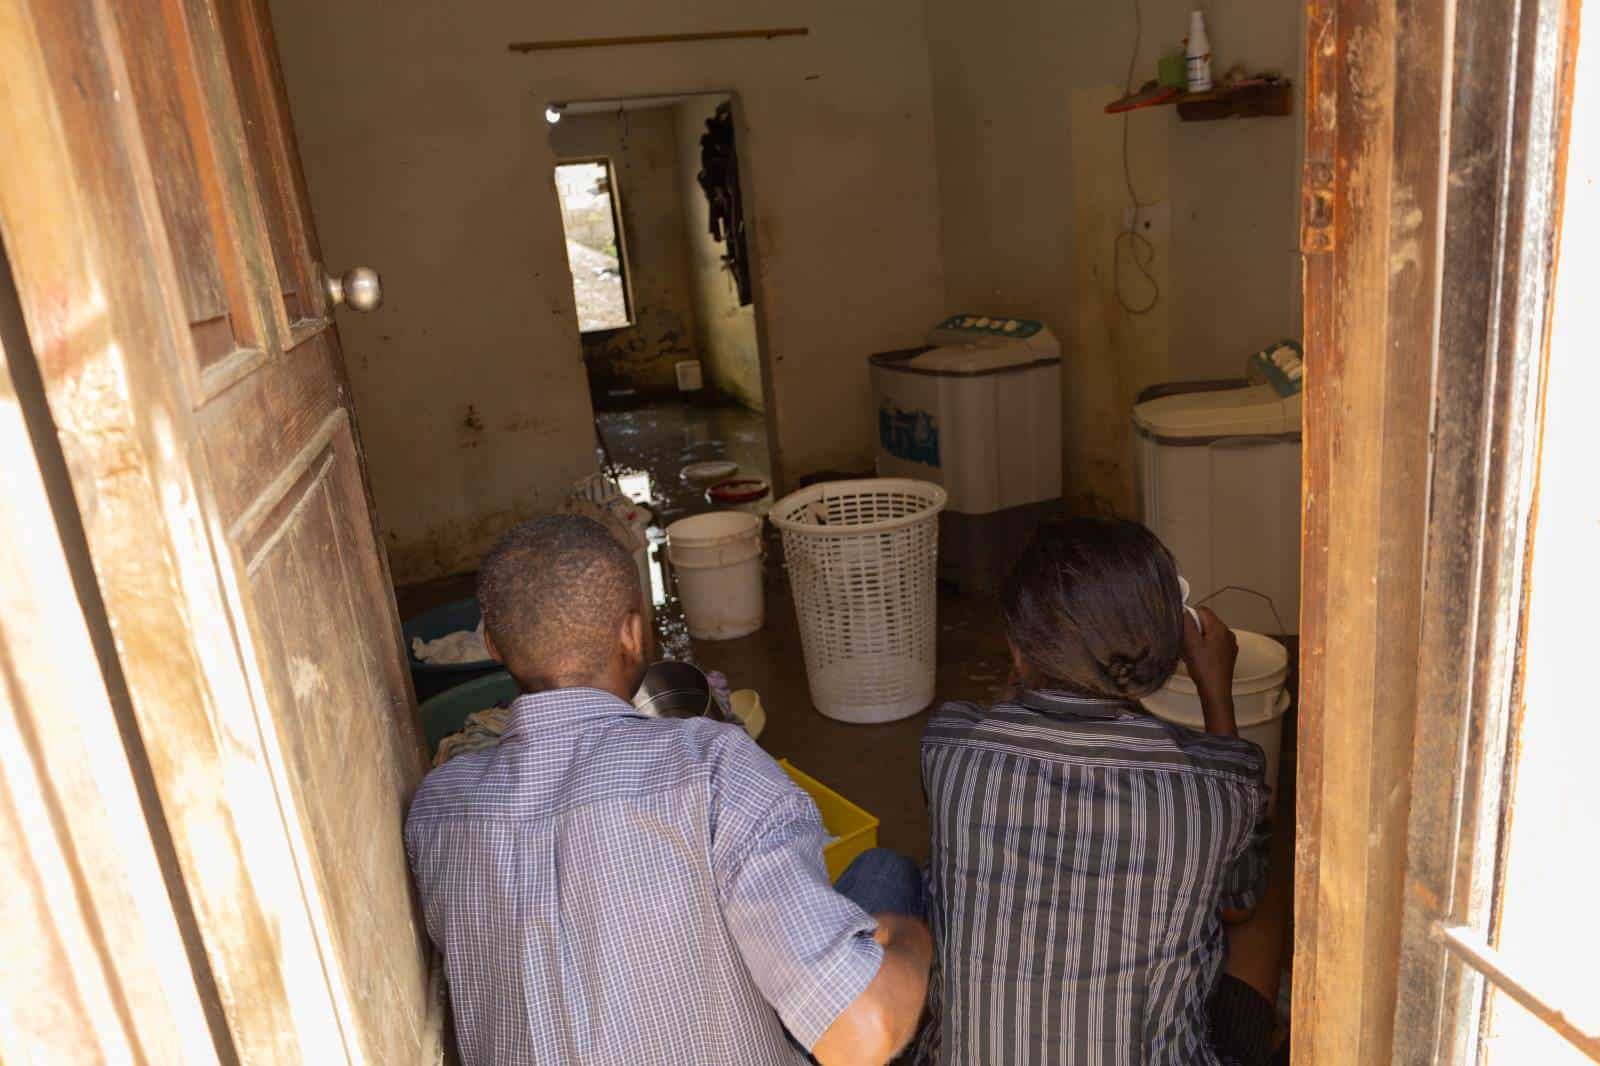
161 243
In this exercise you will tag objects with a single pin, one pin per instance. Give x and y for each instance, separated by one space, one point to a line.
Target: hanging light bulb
552 113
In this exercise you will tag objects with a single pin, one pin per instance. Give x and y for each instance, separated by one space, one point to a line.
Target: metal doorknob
360 289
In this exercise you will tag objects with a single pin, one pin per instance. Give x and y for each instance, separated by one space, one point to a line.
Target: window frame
617 229
1509 107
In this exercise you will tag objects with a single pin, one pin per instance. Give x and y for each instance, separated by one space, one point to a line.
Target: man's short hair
554 593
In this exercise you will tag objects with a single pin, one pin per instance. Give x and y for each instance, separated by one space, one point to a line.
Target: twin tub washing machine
977 410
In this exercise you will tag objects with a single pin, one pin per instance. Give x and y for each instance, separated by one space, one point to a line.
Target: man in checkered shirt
611 888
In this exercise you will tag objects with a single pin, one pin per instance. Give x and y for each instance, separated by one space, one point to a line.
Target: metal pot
673 689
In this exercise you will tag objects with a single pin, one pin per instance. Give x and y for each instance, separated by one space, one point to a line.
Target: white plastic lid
976 358
1252 410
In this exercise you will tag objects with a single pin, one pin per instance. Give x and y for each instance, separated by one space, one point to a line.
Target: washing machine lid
1247 411
981 357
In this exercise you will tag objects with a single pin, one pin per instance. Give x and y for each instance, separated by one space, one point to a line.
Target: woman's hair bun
1133 675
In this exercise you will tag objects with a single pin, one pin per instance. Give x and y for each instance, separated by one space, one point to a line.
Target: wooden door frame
1435 132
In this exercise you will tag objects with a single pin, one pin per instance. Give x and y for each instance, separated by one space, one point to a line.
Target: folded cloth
462 646
482 730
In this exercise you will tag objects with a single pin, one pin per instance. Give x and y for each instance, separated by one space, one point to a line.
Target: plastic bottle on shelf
1197 52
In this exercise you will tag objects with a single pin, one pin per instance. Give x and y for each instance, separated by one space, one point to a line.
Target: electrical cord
1144 253
1276 617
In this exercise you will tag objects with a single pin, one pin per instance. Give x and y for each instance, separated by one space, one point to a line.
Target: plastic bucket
716 565
1259 698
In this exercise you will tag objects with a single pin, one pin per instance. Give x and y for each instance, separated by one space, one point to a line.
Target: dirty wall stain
642 355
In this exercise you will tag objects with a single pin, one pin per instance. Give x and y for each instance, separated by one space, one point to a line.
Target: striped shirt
611 888
1081 853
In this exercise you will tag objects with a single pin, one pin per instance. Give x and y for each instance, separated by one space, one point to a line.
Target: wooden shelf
1261 99
1250 100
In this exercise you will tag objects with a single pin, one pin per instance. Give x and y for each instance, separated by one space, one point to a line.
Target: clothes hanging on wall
719 179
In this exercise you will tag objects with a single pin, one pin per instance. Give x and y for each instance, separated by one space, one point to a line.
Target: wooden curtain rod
659 38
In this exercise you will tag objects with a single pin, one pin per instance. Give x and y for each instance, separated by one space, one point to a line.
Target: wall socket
1155 220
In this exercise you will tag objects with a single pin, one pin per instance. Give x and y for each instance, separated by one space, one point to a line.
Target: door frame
779 473
1435 138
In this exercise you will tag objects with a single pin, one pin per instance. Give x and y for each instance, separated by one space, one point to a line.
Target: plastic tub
853 829
429 679
447 712
1259 698
716 565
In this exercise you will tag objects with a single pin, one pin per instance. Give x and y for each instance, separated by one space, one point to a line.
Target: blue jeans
882 881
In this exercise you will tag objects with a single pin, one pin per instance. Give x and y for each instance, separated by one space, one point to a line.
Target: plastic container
716 565
1197 54
746 708
863 559
1259 698
447 712
853 829
429 679
690 378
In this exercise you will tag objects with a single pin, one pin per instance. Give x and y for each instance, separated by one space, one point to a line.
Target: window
595 251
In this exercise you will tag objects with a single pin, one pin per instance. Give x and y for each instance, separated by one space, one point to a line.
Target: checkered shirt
611 888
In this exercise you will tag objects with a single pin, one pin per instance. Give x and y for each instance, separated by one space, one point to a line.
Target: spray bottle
1197 52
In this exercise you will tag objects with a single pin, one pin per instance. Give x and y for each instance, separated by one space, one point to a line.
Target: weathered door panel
197 386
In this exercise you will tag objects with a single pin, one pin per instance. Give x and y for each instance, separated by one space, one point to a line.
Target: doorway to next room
654 215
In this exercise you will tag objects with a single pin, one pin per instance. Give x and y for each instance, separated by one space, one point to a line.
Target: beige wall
729 348
425 152
643 148
1033 193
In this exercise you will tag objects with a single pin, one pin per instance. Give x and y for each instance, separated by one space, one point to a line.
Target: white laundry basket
863 561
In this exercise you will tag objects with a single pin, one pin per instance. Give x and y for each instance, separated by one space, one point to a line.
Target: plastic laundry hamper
863 564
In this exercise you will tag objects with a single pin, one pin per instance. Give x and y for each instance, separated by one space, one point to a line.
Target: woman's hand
1209 653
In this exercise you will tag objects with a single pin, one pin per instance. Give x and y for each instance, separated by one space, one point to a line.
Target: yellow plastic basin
854 828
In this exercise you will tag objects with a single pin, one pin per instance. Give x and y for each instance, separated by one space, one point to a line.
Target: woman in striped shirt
1090 861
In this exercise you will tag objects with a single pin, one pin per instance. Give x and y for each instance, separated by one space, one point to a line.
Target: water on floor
875 766
646 450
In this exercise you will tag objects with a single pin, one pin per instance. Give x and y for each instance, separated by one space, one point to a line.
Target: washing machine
1218 471
977 410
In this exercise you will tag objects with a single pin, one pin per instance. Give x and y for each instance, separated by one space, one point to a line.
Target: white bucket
1259 698
716 565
